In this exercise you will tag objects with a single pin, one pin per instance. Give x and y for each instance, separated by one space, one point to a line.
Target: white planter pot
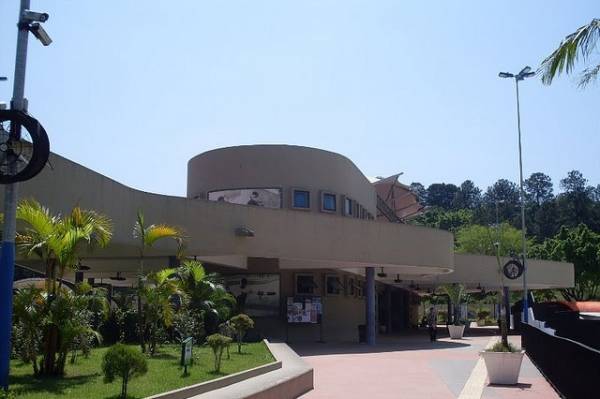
456 332
503 367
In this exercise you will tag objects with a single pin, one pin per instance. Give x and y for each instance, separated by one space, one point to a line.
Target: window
350 287
348 206
301 199
334 285
305 284
328 202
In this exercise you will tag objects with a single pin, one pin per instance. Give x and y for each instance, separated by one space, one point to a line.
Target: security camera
32 16
40 33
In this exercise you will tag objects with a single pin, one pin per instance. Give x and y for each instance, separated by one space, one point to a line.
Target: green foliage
501 347
480 240
456 294
218 343
123 362
581 246
241 323
447 220
579 44
157 306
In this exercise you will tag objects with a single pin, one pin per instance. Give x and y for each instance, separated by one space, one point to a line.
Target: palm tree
205 294
28 305
58 242
158 306
148 236
580 43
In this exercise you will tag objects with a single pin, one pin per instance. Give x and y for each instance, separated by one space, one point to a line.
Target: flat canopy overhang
481 272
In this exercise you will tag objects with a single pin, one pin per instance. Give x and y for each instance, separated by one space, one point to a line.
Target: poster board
304 310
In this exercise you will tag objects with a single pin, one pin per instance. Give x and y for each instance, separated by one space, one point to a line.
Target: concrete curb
218 383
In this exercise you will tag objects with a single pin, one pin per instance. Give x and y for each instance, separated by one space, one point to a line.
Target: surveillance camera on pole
40 33
30 20
33 16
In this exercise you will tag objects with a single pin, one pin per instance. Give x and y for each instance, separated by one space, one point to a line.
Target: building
309 246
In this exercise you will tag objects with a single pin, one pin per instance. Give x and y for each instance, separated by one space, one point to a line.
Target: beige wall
280 166
305 237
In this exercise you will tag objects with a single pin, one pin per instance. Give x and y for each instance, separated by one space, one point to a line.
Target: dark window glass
305 284
301 199
329 202
334 285
348 207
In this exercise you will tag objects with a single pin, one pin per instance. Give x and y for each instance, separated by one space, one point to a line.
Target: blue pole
7 271
370 305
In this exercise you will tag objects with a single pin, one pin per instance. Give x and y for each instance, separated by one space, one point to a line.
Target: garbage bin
362 333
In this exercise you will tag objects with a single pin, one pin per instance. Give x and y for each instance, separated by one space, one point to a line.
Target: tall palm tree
147 236
58 242
579 44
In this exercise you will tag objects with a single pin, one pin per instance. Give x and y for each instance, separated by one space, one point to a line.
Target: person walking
432 323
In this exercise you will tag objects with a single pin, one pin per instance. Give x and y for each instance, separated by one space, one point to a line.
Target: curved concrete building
296 232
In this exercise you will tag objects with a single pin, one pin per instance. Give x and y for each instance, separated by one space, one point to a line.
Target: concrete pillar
370 304
388 303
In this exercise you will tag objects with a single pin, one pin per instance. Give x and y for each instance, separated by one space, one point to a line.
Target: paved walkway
412 367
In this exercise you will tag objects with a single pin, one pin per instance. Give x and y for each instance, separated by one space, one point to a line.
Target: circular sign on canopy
24 146
513 269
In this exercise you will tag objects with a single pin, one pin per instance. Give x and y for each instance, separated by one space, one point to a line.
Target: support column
388 303
370 305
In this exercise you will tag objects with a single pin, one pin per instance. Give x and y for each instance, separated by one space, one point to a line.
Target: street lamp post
29 21
522 75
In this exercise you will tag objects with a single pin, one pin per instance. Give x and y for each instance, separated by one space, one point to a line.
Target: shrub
241 323
483 314
217 343
124 362
500 347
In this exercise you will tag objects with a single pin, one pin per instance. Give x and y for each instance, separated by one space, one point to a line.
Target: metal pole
523 227
7 257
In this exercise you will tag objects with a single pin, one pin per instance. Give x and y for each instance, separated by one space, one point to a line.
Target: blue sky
133 89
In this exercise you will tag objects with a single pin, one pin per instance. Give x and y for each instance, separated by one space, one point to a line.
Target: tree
441 195
158 309
29 304
218 343
574 182
58 242
123 362
241 323
468 196
538 188
445 220
581 246
204 294
505 194
480 240
581 43
420 191
147 236
455 294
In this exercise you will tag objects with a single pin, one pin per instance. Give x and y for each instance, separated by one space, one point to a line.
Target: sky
133 89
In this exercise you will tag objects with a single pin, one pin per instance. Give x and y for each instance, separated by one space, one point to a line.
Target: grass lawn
84 379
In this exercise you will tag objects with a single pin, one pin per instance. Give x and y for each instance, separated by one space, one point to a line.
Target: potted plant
503 363
455 294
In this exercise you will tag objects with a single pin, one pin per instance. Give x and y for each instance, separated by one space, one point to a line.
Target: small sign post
186 353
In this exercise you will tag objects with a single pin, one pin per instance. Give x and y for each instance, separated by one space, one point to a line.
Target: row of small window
329 203
335 285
